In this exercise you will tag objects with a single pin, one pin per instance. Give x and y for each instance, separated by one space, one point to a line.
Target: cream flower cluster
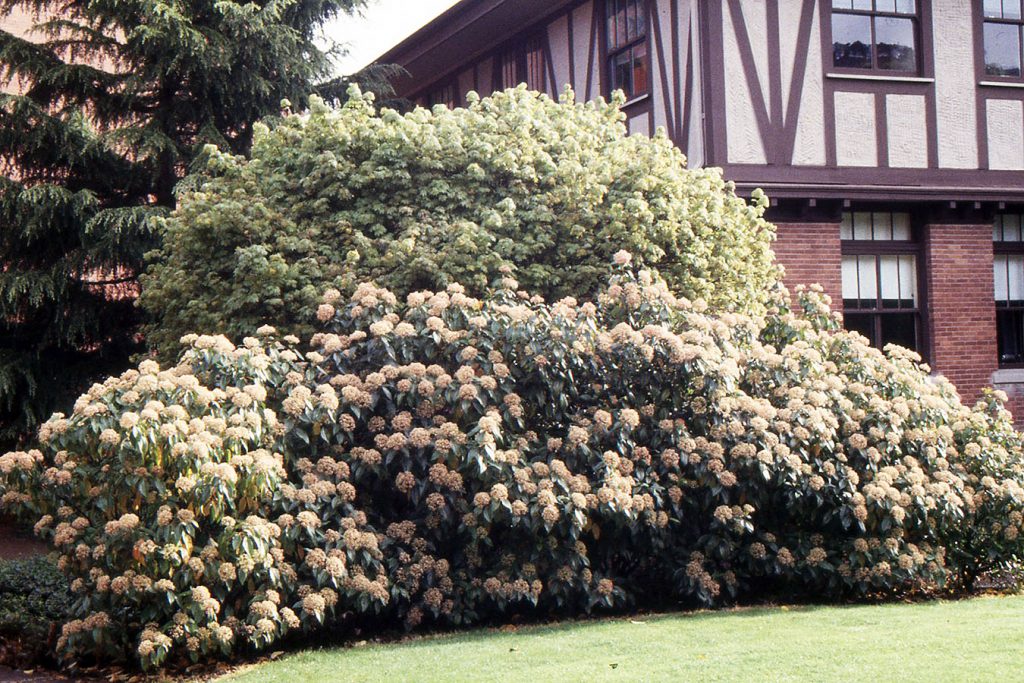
445 459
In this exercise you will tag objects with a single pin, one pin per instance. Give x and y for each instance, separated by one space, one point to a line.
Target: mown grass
972 640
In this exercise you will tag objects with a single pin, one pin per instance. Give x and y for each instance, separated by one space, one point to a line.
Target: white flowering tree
421 200
444 459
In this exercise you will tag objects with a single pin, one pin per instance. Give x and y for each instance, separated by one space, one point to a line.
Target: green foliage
34 598
433 197
111 103
449 460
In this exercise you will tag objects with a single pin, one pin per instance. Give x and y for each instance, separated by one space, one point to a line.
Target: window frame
878 248
982 20
451 87
1004 248
917 19
608 54
517 54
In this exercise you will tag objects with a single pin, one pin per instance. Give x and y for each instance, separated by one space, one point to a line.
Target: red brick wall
811 254
19 22
961 305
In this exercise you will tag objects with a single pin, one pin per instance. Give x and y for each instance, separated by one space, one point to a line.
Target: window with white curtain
1008 276
881 299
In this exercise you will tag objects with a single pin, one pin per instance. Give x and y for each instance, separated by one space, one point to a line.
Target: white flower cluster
445 459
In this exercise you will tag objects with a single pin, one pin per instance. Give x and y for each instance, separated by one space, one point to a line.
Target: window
445 94
522 64
1008 271
627 46
879 278
875 34
1003 23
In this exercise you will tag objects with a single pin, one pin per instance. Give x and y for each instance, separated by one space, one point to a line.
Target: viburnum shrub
448 460
424 199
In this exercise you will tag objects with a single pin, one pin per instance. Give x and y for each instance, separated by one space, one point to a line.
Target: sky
383 25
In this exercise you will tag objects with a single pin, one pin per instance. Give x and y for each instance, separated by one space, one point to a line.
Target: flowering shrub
445 459
438 196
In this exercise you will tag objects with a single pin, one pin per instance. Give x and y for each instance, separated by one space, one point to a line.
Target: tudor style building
888 133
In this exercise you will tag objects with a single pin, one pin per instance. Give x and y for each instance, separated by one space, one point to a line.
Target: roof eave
461 34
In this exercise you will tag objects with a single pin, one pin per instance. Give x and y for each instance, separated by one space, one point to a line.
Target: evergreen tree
114 101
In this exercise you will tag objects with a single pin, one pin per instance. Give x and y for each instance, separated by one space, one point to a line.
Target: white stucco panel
695 145
907 126
558 39
639 125
789 24
582 26
809 146
755 15
1005 135
661 44
954 83
744 138
856 129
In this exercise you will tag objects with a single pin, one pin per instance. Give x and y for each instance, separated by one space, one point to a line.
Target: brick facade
961 318
20 23
811 254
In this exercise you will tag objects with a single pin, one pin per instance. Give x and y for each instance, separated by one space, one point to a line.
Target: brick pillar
961 310
811 254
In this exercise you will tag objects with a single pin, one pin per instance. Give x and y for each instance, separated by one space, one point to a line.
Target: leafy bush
433 197
34 597
450 460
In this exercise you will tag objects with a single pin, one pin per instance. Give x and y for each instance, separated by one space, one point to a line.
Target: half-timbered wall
574 44
784 117
751 86
785 105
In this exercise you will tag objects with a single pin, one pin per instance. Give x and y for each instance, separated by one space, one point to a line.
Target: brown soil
33 676
17 543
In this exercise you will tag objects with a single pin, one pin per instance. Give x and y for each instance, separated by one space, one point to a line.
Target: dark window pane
641 18
1002 50
851 41
630 21
1011 336
620 25
619 20
899 328
535 68
859 322
509 77
622 73
611 24
639 70
894 39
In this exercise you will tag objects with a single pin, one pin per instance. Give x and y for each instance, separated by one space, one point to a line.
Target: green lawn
975 640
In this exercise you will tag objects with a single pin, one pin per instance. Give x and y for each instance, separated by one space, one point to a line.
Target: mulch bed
32 676
17 543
